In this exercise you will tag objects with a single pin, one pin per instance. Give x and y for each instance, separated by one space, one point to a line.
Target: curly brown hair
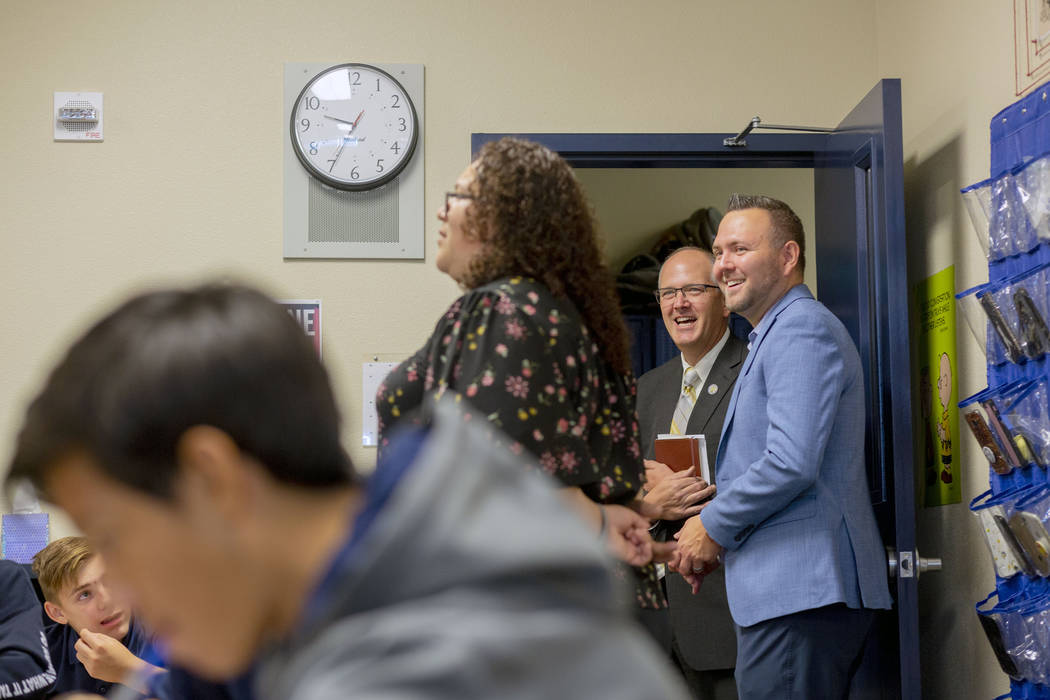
534 218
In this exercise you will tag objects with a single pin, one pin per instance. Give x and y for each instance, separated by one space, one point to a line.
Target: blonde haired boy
94 642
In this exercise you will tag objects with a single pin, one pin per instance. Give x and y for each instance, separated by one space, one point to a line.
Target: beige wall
635 206
188 182
955 61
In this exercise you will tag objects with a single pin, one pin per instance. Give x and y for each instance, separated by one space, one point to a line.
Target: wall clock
353 127
353 139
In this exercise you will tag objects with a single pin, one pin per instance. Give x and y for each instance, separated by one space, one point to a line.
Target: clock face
353 127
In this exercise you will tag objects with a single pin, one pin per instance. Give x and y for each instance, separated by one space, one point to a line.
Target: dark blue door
862 277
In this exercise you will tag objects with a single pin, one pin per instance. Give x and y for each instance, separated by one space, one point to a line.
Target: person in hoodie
194 436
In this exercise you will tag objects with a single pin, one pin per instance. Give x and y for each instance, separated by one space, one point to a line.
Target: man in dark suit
703 640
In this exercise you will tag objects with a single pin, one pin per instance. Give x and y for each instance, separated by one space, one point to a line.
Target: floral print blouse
525 360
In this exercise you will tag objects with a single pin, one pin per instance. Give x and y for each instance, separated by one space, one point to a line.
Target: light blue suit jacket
793 509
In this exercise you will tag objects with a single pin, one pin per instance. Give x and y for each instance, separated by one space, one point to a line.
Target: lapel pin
712 389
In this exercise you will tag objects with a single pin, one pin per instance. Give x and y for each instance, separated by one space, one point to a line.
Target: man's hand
655 472
679 495
106 659
697 554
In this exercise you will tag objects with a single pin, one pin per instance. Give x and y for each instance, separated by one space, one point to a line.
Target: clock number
395 147
355 81
379 165
313 148
401 121
396 104
377 84
313 102
354 175
305 124
331 164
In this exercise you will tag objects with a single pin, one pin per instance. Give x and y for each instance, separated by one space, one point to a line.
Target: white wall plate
77 116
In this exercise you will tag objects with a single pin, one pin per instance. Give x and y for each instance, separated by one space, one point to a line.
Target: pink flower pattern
568 461
515 330
505 307
517 387
549 463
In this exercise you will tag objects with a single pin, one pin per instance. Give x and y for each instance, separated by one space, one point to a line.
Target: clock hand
353 124
345 121
338 151
346 136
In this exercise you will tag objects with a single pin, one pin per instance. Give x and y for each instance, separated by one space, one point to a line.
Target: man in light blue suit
792 522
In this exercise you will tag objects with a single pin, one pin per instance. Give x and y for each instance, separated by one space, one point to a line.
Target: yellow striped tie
685 402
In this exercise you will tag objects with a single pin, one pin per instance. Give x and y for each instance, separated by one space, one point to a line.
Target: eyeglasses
690 291
455 195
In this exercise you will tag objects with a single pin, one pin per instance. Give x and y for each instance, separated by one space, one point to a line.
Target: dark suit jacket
701 624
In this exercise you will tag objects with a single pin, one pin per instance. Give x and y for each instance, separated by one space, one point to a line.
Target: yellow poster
938 425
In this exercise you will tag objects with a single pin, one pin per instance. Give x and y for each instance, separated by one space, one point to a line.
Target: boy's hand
105 658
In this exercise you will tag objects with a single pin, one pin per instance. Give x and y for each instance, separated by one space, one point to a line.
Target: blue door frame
675 150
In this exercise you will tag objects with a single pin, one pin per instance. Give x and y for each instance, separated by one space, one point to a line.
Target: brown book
680 452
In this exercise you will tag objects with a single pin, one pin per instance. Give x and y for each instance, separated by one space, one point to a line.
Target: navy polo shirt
71 674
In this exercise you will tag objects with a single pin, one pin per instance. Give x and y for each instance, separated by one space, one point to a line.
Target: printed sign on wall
938 426
372 375
307 313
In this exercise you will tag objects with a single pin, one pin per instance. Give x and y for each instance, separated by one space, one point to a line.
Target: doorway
858 221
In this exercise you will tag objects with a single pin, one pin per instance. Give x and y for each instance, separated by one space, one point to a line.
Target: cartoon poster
938 428
307 313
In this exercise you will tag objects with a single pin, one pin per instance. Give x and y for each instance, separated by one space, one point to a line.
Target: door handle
910 564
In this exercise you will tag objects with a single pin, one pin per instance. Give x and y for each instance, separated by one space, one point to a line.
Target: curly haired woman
537 344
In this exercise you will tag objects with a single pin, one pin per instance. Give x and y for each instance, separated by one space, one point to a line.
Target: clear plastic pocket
988 313
992 450
1028 294
1033 186
999 216
1018 629
1008 318
1028 523
1028 416
1005 555
978 201
997 403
